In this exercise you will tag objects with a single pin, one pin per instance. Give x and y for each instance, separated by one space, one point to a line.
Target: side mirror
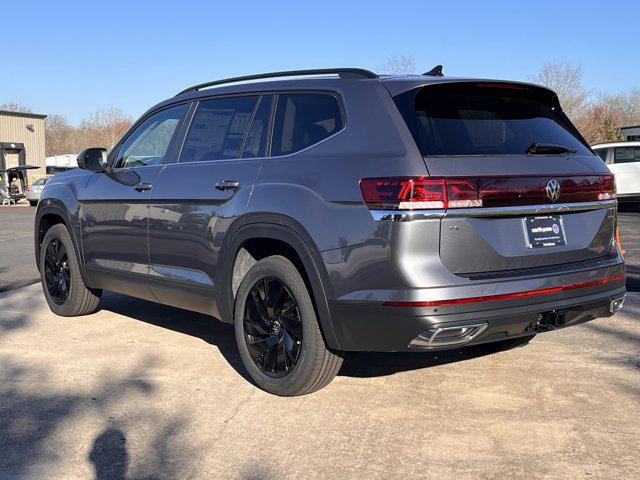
94 159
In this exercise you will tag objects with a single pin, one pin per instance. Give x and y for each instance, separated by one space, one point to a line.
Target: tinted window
626 154
256 142
148 143
303 119
218 129
602 153
485 119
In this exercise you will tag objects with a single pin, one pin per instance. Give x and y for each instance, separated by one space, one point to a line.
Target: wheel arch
51 213
314 272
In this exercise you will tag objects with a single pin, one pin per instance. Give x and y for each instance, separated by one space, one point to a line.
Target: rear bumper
384 328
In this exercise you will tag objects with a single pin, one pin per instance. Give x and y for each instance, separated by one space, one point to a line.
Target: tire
257 325
32 203
78 300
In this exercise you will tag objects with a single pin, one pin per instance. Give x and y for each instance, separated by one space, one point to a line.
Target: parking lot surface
143 391
17 265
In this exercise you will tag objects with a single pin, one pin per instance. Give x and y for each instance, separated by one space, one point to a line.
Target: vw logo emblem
553 189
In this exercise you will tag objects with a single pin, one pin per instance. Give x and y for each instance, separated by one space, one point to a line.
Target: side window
303 119
626 154
218 128
602 153
256 143
148 144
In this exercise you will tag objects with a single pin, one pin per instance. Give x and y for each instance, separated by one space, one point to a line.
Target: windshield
486 119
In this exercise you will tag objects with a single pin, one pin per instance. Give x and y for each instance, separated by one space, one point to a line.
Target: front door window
149 143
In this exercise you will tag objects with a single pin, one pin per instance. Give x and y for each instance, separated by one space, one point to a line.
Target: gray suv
342 211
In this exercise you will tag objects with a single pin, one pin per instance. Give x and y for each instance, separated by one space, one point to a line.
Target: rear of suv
327 214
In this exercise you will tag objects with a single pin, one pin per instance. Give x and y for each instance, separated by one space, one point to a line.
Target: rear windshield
485 119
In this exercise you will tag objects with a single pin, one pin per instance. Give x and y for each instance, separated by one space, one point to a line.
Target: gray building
631 133
21 143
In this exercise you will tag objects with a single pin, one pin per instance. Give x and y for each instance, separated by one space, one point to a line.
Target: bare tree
15 107
606 114
398 65
631 107
101 129
601 119
566 80
60 137
104 127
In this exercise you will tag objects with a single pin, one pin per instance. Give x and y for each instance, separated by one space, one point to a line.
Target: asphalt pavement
143 391
17 263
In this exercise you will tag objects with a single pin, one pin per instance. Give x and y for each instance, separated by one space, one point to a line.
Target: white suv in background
623 159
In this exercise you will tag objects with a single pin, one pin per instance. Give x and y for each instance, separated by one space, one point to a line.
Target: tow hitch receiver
549 320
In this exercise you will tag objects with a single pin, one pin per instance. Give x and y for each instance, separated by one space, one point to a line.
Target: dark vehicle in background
33 191
342 211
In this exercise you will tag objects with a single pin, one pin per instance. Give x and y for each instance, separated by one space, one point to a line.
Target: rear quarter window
304 119
602 153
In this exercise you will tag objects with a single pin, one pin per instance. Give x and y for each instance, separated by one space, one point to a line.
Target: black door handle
227 185
143 187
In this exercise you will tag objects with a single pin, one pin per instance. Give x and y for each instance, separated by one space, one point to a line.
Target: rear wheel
277 331
32 203
63 287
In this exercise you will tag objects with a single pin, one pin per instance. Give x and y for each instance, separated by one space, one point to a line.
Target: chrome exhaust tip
616 305
436 337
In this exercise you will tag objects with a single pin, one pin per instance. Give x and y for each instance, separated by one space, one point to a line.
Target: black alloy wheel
272 327
57 272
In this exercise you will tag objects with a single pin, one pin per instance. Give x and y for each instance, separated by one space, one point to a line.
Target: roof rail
341 72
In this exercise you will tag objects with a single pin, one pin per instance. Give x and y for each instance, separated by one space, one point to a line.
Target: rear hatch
519 186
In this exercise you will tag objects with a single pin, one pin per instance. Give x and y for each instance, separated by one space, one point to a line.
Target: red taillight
403 193
506 296
418 193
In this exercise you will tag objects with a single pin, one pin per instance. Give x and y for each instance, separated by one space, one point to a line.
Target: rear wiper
547 148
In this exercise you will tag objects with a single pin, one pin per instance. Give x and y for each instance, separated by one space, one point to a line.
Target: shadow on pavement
7 284
109 455
377 364
205 327
221 335
32 414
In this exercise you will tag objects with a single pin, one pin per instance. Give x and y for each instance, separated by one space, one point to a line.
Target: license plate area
544 231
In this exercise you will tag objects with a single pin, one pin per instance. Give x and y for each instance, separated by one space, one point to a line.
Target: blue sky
72 57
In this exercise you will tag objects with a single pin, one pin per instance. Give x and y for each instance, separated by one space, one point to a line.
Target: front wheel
63 287
32 203
277 331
